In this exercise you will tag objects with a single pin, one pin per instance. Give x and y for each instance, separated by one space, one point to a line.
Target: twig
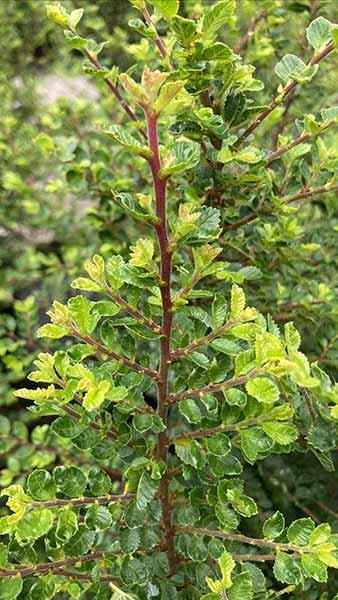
204 340
280 97
218 387
158 41
244 41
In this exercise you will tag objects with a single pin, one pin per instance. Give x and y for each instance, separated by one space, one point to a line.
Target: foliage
172 414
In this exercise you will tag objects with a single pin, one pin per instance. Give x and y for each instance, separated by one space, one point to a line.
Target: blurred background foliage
56 209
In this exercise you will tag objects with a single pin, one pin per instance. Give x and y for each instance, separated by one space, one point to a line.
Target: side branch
204 340
131 364
82 501
298 140
158 41
218 387
21 571
280 97
305 193
236 537
133 311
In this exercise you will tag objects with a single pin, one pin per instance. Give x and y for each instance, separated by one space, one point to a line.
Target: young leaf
263 389
319 33
274 526
216 16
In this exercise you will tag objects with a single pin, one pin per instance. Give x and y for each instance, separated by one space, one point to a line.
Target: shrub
178 394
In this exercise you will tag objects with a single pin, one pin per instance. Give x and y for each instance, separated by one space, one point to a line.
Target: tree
173 387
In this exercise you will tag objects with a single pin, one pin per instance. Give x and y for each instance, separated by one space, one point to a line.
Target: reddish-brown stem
158 40
246 37
236 537
212 430
204 340
280 97
162 384
82 501
217 387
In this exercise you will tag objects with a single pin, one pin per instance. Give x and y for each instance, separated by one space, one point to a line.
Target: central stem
162 386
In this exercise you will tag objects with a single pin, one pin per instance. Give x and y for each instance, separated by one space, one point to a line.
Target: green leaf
274 526
40 485
237 301
71 481
235 397
52 331
292 67
184 29
243 504
10 587
75 17
185 155
142 254
67 427
122 137
226 564
146 490
34 525
85 284
250 155
319 33
286 568
254 442
320 534
129 540
216 16
292 337
58 14
96 395
314 567
281 433
190 410
98 518
81 542
190 452
226 346
168 93
226 516
166 9
218 311
263 389
218 445
67 525
299 532
242 588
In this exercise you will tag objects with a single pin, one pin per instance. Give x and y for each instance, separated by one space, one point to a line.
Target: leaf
242 588
235 397
319 33
71 481
225 346
320 534
142 254
129 540
226 564
58 14
85 284
10 587
204 256
254 442
67 525
237 301
189 409
122 137
292 67
75 17
96 395
146 490
249 155
216 16
40 485
281 433
34 525
314 567
168 93
190 452
184 29
263 389
243 504
81 542
218 311
185 155
219 445
286 568
67 427
166 9
98 518
53 331
299 531
226 516
274 526
292 337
